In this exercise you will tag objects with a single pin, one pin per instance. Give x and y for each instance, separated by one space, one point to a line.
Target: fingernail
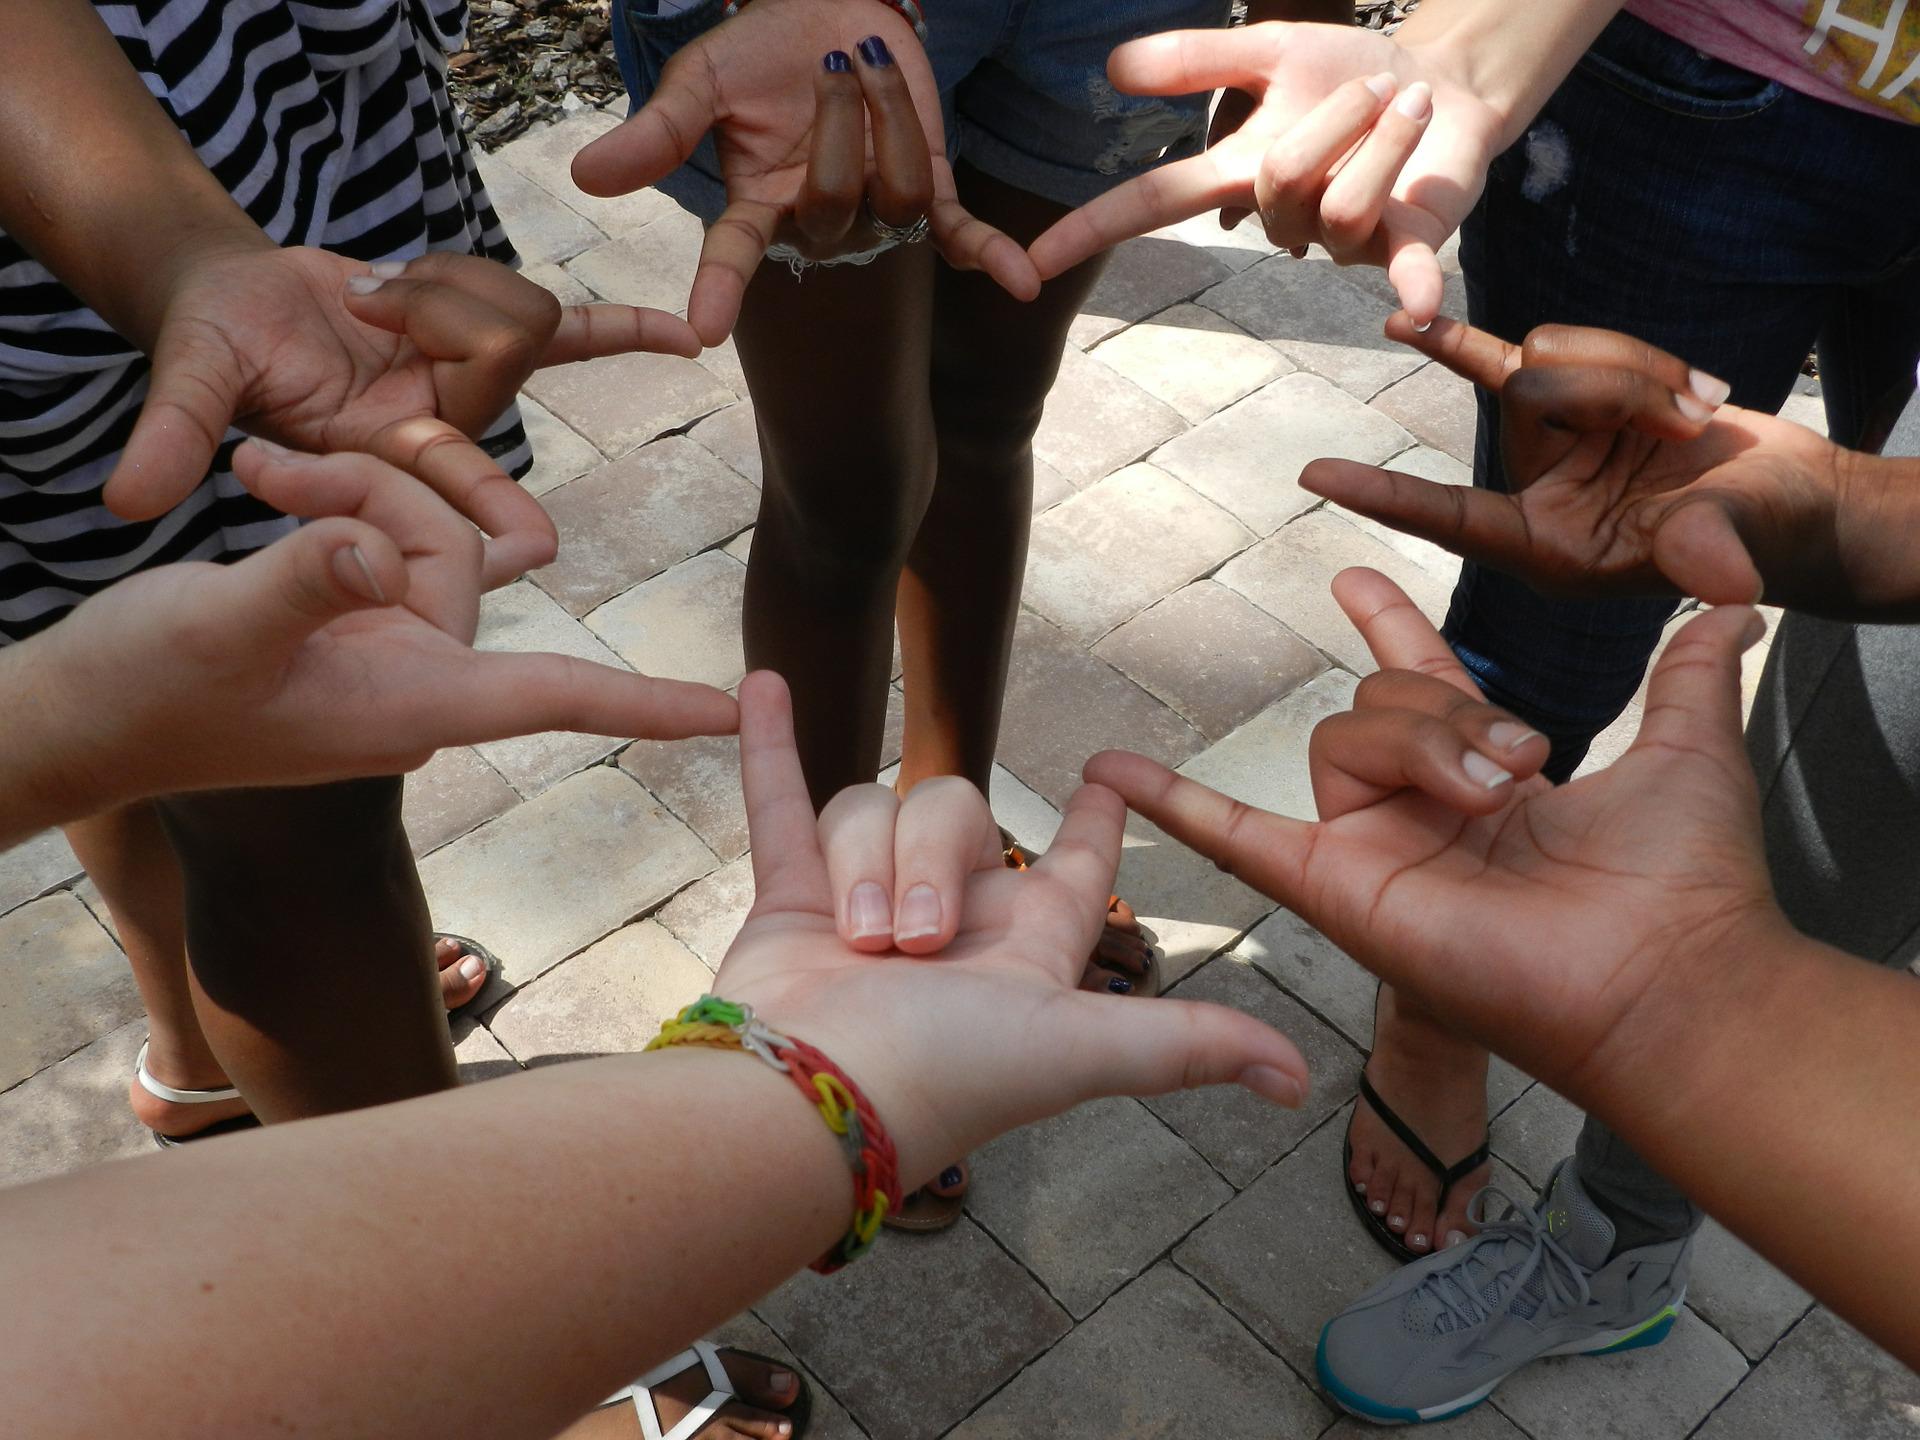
1482 771
1755 632
919 914
472 968
364 284
1275 1085
784 1382
1422 329
1708 387
1381 85
868 912
1416 101
389 269
1695 410
874 51
357 575
1509 736
1120 985
1416 1242
838 62
1456 1237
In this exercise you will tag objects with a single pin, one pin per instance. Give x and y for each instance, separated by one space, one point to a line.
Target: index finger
466 477
789 872
1475 355
1186 62
1167 195
1397 633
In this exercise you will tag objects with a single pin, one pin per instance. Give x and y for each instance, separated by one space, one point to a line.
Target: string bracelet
910 11
723 1025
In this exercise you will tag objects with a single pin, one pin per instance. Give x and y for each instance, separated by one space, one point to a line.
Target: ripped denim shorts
1023 84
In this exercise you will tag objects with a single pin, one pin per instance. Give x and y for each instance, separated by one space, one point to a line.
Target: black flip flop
1447 1175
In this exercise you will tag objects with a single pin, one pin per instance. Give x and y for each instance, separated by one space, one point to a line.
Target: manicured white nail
472 968
919 914
389 269
1694 409
1483 771
1456 1237
1509 736
1708 387
868 913
364 284
1381 85
1416 1242
1360 1187
1422 329
1378 1207
1416 101
1396 1222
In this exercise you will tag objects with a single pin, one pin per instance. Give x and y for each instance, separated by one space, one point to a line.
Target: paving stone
1096 421
1141 277
557 282
894 734
62 982
1437 405
732 435
1193 359
559 455
828 1420
651 266
1428 464
1237 249
1248 458
34 866
622 401
1061 1198
724 363
609 999
1536 1133
1264 762
684 624
1290 576
1237 1131
545 156
1666 1389
74 1114
450 795
1050 487
1309 312
740 547
919 1332
1062 705
89 895
1483 1422
1119 545
1212 655
520 617
542 226
1824 1379
709 913
699 780
481 1057
1207 1376
1194 909
1740 1294
554 875
631 519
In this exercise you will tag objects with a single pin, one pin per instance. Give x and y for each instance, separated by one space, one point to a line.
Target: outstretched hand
406 362
992 1031
1631 477
801 146
1552 923
1354 142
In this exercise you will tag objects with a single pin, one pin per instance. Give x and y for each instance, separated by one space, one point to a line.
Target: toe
1120 917
461 979
759 1383
1400 1206
1103 981
1361 1166
1119 950
1420 1225
1381 1183
1452 1218
752 1424
950 1182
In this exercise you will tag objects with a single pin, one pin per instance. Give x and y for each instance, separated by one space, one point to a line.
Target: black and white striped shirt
330 123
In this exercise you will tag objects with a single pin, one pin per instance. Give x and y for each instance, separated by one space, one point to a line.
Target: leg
837 364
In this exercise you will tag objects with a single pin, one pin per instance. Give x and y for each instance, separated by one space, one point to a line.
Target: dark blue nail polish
838 62
1119 985
950 1177
874 51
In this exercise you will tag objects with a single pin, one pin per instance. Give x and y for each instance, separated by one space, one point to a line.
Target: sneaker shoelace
1501 1269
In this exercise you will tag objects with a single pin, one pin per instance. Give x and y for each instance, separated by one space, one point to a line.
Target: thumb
1120 1046
1697 545
192 397
1693 698
297 585
657 138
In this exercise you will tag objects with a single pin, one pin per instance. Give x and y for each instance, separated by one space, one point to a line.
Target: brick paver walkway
1129 1270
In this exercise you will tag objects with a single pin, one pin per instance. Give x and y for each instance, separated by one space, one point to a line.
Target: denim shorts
1023 87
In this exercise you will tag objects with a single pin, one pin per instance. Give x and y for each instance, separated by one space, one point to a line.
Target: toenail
950 1177
1360 1187
1417 1242
1397 1222
1120 985
785 1382
472 968
1378 1207
1456 1237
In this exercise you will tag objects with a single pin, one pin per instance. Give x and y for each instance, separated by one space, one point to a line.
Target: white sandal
160 1090
640 1392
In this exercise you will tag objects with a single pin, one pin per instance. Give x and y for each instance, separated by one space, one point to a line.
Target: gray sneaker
1434 1338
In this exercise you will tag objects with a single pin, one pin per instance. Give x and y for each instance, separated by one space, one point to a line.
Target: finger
1186 62
1413 264
281 595
587 332
902 186
967 242
1591 399
1398 635
192 396
736 243
1085 855
487 281
1484 359
486 354
1581 345
517 693
1266 851
829 200
1295 172
944 823
1167 195
1693 696
1413 732
856 836
1480 525
789 872
660 136
1116 1046
1351 206
1698 546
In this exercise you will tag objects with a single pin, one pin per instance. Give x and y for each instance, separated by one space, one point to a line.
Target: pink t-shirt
1864 54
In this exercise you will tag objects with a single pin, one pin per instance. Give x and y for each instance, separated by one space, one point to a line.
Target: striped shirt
330 123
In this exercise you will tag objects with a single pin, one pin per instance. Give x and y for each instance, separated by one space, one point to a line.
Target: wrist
1510 60
1875 511
171 268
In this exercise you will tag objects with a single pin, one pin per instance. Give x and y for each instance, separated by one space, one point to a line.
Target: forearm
629 1205
1512 56
98 184
1877 535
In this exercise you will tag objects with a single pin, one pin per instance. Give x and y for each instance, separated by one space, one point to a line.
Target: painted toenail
1120 985
785 1382
950 1177
1359 1187
1456 1237
1378 1207
472 968
1417 1242
1396 1222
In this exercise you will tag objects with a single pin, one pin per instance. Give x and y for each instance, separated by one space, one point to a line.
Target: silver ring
909 234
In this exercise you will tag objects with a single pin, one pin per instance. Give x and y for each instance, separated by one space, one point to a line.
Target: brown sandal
1146 985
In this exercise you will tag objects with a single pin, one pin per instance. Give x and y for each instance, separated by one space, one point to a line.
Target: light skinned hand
795 171
306 663
1354 142
407 362
1630 476
993 1031
1554 924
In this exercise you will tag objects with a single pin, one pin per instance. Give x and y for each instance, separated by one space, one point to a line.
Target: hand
313 350
791 149
993 1031
1561 926
1424 143
1627 480
304 663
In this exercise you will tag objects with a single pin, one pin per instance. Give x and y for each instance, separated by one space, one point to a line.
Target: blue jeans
1723 217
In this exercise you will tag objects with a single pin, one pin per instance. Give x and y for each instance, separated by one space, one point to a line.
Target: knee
253 841
845 536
